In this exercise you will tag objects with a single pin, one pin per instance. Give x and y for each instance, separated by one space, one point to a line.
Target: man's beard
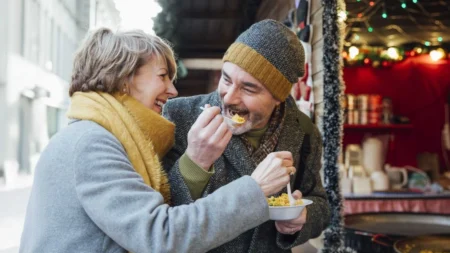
239 129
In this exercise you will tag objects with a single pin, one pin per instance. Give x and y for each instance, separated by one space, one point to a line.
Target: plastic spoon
291 199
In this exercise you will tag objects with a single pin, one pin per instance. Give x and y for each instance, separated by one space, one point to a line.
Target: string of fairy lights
359 51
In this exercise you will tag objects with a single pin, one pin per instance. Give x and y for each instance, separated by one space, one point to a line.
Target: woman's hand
273 173
208 137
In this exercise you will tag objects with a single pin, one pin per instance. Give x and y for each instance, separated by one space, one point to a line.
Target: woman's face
151 84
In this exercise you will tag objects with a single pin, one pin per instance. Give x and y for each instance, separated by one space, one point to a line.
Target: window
56 120
51 49
32 31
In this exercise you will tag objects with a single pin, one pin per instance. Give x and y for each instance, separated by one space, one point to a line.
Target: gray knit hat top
271 53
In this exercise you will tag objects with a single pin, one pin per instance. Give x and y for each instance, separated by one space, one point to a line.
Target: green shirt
254 136
196 177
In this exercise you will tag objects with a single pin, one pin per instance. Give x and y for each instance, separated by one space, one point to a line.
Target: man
257 76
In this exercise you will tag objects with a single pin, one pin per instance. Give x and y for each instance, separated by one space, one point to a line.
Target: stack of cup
363 107
374 109
352 116
386 114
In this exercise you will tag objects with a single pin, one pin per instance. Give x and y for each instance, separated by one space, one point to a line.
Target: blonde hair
106 60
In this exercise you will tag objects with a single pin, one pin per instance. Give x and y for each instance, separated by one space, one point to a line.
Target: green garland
166 26
378 56
332 123
166 22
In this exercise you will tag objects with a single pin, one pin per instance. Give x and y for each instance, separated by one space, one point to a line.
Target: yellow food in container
282 200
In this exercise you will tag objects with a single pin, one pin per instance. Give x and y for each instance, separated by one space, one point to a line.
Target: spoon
229 120
291 199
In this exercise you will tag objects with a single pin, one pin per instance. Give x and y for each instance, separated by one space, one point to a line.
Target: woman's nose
172 91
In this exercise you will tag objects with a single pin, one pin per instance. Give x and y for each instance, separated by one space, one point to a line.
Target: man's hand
208 138
292 226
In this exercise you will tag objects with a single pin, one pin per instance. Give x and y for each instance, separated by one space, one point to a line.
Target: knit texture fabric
271 53
269 140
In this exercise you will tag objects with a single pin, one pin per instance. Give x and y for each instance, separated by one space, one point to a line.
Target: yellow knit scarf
145 135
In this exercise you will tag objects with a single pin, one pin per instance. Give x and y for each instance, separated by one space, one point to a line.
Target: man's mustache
236 109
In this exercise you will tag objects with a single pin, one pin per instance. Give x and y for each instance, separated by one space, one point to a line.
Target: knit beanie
270 52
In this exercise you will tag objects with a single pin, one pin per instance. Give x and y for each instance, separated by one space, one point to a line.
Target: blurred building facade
37 44
104 14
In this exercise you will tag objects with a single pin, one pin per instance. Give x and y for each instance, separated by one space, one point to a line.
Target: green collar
254 136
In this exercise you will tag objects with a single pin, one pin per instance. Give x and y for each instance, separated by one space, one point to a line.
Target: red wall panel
418 88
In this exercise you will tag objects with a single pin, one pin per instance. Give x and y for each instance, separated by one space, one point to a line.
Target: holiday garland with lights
387 57
357 51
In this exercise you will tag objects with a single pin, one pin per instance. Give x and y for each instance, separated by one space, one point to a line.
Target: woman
99 186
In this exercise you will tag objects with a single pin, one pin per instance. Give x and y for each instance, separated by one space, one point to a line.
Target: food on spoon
238 119
282 200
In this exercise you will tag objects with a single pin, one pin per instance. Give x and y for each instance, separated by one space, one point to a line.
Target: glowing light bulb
353 52
437 54
392 52
342 16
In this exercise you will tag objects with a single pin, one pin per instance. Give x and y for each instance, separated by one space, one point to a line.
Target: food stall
393 165
377 87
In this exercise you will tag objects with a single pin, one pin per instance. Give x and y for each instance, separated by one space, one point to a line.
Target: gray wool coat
87 197
299 136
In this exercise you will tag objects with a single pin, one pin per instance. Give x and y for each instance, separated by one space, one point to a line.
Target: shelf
379 127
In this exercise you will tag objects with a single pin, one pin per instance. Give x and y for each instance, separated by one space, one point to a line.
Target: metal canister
387 112
363 102
375 102
343 102
351 102
386 104
374 117
352 117
386 117
363 117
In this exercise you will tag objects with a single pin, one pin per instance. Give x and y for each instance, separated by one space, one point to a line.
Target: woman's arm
134 215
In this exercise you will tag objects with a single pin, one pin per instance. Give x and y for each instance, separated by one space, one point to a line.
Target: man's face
240 93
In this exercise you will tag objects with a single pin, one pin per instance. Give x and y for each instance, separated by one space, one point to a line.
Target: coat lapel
291 139
237 155
292 135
